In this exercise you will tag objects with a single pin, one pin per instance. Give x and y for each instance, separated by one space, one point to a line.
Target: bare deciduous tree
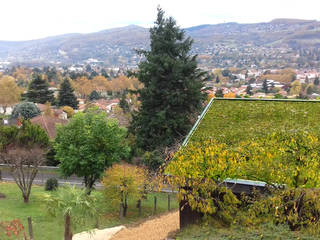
24 165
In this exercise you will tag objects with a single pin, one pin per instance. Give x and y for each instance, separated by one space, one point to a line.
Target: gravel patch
155 229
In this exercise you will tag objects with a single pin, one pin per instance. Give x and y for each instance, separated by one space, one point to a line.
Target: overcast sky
32 19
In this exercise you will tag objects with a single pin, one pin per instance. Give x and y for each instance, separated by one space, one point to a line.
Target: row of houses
58 116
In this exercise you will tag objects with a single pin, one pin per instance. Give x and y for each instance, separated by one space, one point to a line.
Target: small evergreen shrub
27 110
51 184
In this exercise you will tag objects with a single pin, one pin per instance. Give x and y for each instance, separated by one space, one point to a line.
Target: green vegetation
66 95
72 204
123 182
264 231
276 142
51 184
38 90
89 144
232 121
27 110
172 94
51 228
22 149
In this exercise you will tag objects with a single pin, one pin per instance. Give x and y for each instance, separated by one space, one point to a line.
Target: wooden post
121 211
139 207
97 223
30 228
155 205
168 202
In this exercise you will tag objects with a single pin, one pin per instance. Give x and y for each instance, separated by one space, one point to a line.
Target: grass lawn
49 228
265 231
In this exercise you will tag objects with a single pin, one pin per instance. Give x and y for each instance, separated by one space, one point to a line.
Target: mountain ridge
115 46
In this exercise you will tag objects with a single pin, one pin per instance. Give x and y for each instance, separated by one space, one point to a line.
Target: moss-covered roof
231 121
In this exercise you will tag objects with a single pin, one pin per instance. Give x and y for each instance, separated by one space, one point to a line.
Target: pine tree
265 86
94 95
172 87
38 91
124 104
249 90
66 95
316 81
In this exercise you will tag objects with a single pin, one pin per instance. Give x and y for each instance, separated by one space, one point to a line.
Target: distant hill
226 44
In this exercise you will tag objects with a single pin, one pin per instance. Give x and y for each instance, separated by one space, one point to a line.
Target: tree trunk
67 228
25 198
89 182
125 207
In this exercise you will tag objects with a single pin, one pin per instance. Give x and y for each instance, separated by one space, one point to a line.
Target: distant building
49 124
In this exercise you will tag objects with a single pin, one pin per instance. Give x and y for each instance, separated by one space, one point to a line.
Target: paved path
156 228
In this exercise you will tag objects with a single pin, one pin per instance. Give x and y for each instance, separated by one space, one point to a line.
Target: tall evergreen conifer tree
66 95
38 91
172 95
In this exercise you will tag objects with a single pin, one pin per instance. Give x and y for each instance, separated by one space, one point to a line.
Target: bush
298 208
51 184
124 181
50 158
69 111
152 160
27 110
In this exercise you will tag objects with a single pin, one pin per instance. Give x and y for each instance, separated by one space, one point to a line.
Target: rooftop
233 120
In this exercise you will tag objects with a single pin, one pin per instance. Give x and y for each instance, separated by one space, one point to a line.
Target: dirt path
154 229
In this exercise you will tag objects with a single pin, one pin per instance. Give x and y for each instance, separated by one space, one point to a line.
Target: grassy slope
233 121
49 228
266 232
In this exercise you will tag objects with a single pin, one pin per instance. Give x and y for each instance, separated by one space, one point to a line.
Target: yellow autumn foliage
123 181
229 95
281 158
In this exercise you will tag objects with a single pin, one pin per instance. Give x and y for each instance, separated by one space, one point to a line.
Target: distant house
59 113
49 124
9 122
106 105
42 107
7 110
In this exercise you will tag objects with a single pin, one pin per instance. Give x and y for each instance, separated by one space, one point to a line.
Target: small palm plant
74 205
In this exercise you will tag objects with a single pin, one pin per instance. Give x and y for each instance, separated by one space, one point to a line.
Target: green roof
233 120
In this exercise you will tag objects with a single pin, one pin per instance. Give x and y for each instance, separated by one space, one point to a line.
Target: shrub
27 110
69 111
298 208
51 184
123 181
50 158
152 160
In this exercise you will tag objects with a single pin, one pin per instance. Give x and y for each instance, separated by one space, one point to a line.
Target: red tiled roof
48 124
